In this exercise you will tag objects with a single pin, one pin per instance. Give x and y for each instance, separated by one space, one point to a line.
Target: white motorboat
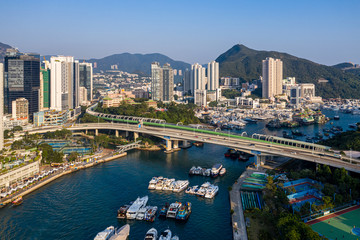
151 234
159 184
175 238
192 170
106 234
165 235
222 172
191 190
121 233
207 172
201 192
141 213
181 185
215 170
167 184
135 207
150 214
211 191
152 183
173 209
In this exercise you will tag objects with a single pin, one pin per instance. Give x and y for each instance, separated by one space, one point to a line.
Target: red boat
17 201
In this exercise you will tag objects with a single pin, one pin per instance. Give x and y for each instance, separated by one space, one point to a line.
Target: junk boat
121 233
173 209
163 210
106 234
151 234
135 207
215 170
150 214
184 212
165 235
17 201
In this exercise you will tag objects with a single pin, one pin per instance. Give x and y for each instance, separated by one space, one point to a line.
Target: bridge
127 147
257 144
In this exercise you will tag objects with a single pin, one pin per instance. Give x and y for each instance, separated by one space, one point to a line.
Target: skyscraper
86 79
64 83
1 105
213 75
197 77
22 79
162 82
44 89
272 70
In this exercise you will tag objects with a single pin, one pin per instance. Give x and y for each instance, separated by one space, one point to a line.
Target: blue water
79 205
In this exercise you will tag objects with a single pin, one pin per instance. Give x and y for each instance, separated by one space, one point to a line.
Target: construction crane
46 67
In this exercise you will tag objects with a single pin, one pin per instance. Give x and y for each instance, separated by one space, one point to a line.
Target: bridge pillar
136 135
96 132
116 133
168 145
185 144
86 132
259 160
126 134
176 144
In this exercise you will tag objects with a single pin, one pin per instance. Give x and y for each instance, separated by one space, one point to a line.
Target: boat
141 213
121 233
222 172
353 125
135 207
163 210
198 144
184 212
191 190
122 211
173 209
211 191
249 120
297 133
159 184
165 235
192 170
336 117
152 183
106 234
207 172
167 184
150 214
17 201
201 192
181 185
151 234
175 238
216 169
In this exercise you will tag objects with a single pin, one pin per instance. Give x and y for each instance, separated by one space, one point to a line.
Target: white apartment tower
1 105
272 74
213 75
197 77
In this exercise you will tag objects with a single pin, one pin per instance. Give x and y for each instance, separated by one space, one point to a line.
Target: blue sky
323 31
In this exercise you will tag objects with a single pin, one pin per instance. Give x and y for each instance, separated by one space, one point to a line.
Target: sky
324 31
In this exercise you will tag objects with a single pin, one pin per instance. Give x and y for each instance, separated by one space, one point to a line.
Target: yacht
159 184
192 170
165 235
141 213
134 208
215 170
175 238
150 214
222 172
152 183
167 184
106 234
121 233
207 172
122 211
173 209
211 191
151 234
181 185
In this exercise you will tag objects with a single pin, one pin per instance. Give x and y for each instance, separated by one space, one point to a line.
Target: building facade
213 76
19 174
200 98
197 77
162 82
86 79
22 79
50 118
307 90
20 109
272 77
1 106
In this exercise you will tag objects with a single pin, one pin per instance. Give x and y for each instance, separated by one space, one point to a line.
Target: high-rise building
162 82
295 95
213 75
197 77
44 101
272 74
187 81
22 79
1 105
200 98
20 108
307 90
64 83
83 96
86 78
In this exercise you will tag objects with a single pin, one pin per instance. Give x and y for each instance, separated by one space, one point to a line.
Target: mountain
3 48
245 63
344 65
139 63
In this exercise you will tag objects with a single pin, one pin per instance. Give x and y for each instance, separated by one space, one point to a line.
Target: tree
73 156
176 97
213 104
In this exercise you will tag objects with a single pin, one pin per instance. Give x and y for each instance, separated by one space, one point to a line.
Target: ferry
151 234
106 234
184 212
164 210
135 207
222 172
216 169
180 185
121 233
150 214
17 201
211 191
152 183
173 209
165 235
141 213
122 211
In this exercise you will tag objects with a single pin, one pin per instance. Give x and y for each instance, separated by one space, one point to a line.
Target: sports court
338 225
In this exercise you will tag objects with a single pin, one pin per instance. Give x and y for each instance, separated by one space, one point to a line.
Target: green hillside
245 63
3 48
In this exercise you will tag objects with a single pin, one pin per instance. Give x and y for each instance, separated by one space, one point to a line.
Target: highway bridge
257 144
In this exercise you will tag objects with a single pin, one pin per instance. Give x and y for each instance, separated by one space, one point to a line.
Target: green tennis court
339 227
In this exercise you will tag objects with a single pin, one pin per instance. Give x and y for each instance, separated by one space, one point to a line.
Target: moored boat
175 238
222 172
106 234
151 234
216 169
192 170
17 201
122 211
152 183
211 191
173 209
121 233
180 185
163 210
141 213
165 235
150 214
184 212
135 207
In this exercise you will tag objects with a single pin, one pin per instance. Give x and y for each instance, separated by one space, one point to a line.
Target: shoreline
52 178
